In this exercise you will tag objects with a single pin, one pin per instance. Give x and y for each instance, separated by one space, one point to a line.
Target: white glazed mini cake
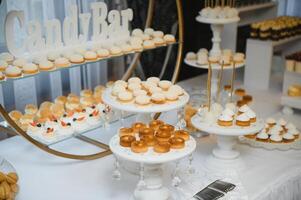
158 41
135 41
121 82
137 32
149 31
134 80
145 37
90 56
62 62
202 59
13 72
139 92
7 57
3 65
262 136
103 53
142 100
158 34
148 44
165 85
46 65
126 48
76 58
154 80
225 120
238 57
52 56
115 50
30 68
243 120
225 59
19 62
191 56
276 138
177 89
169 38
117 89
125 97
133 86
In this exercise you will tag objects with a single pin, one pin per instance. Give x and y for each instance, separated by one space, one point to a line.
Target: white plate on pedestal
193 63
216 20
151 157
152 108
227 131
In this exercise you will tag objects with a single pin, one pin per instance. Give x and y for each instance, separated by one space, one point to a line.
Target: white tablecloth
269 175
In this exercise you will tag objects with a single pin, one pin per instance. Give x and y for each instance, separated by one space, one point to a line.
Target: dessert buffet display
276 29
151 146
66 116
277 134
293 62
227 58
150 96
12 67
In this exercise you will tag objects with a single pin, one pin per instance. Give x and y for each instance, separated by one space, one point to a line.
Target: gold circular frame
106 150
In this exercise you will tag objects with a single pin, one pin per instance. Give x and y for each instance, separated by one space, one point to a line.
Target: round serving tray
193 63
271 146
216 21
227 131
151 157
152 108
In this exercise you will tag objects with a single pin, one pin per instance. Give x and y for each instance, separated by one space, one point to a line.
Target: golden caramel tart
126 140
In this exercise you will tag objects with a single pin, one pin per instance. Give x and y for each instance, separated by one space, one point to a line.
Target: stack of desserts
276 131
293 62
215 9
153 91
231 115
156 136
276 29
140 40
227 57
65 116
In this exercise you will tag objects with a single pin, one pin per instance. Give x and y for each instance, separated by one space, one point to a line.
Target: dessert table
269 175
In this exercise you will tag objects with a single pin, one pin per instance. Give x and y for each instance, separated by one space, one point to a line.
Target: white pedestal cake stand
144 111
227 137
217 26
152 162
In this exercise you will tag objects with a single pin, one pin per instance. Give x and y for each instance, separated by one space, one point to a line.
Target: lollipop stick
220 78
209 86
232 80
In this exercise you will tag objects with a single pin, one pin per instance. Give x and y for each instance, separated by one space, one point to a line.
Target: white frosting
158 96
155 89
62 60
281 122
137 32
243 117
103 52
158 41
202 58
250 113
228 111
169 38
12 70
171 95
149 31
125 96
115 50
203 50
53 55
159 34
177 89
244 108
121 82
126 48
76 58
227 118
134 80
277 128
6 56
134 86
139 92
20 62
276 138
262 135
90 55
148 44
30 67
274 132
142 99
191 56
136 41
288 136
117 89
45 64
153 79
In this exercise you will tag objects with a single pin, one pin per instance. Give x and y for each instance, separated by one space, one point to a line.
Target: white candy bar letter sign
112 26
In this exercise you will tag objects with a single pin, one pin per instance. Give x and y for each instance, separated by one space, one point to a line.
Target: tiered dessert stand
217 26
150 185
12 128
225 155
150 161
